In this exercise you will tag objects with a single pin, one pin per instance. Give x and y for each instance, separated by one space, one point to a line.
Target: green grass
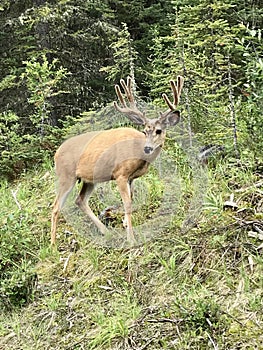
200 288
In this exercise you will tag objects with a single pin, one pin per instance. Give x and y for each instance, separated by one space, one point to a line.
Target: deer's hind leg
82 202
64 188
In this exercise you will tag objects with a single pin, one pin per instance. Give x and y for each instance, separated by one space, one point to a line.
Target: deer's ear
170 119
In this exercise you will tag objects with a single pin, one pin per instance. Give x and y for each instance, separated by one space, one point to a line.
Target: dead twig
14 193
66 263
215 346
163 320
243 189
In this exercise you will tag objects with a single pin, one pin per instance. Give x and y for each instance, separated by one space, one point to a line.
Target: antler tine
120 97
180 84
129 83
176 90
127 89
132 110
172 105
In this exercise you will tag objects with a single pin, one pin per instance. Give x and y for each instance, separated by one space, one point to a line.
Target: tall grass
195 289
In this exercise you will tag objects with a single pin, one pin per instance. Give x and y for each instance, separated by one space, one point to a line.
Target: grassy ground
200 288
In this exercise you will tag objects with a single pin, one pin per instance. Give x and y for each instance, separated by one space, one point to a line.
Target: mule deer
121 154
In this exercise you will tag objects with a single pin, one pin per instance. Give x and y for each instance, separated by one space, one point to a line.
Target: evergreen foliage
216 45
214 49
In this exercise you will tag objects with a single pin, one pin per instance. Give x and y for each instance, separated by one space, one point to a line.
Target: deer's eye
158 131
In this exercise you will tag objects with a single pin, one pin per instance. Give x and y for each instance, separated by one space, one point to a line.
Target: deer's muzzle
148 149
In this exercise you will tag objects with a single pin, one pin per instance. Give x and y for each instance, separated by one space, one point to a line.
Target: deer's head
154 129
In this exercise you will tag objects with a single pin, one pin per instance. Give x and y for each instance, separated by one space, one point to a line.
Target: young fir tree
204 45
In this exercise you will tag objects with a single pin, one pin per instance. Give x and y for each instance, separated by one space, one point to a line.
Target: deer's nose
148 149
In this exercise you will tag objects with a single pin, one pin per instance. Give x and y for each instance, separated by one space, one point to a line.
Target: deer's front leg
125 192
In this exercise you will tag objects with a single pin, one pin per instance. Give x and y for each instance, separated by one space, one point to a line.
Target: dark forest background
59 59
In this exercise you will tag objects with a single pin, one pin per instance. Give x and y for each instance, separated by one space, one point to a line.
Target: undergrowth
200 288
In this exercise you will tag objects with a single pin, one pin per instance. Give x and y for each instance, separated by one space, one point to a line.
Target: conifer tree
204 45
